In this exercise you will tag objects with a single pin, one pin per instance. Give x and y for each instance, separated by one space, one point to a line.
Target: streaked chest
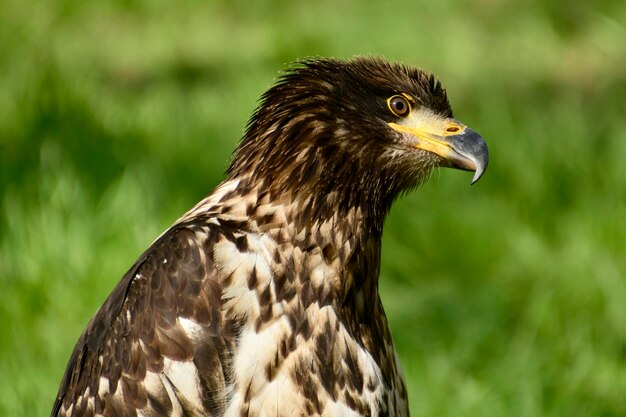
295 355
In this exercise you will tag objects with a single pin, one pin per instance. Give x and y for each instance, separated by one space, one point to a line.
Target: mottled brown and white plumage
263 299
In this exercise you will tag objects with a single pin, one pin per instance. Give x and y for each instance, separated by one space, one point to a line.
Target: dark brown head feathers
321 133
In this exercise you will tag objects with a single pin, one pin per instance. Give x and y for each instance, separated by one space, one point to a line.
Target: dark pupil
399 106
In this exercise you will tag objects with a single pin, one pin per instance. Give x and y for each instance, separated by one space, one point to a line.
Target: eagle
263 300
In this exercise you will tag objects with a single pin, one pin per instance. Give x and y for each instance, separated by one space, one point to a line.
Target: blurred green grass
506 298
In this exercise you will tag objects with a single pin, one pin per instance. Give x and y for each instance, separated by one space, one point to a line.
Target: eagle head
341 134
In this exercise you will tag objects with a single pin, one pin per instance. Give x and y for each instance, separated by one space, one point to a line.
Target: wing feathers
115 367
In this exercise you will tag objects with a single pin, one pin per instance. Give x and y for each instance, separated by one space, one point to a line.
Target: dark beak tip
477 174
473 147
481 165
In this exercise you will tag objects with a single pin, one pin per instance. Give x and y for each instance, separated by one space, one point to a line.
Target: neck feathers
332 252
309 164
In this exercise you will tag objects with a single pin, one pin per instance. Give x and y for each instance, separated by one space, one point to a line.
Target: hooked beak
459 146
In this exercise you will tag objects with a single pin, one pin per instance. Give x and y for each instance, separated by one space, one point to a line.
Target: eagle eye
399 106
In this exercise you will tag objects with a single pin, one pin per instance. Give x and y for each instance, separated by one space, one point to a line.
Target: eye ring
399 105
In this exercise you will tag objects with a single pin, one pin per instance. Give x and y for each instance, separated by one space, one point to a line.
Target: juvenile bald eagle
263 299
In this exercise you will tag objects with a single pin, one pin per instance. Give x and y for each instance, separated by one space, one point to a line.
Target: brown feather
263 299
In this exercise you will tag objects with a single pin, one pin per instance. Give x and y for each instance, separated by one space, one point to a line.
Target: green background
507 298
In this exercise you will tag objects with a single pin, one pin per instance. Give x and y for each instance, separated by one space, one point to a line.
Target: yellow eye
399 106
